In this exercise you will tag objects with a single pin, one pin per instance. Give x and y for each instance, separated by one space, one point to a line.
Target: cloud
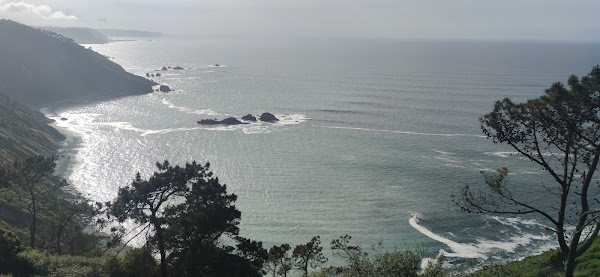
42 11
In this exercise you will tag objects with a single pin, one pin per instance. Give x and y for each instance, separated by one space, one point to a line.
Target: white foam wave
442 152
513 221
502 154
75 122
188 110
122 126
469 251
401 132
290 119
484 247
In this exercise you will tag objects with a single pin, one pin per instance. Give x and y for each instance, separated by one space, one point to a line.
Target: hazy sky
395 19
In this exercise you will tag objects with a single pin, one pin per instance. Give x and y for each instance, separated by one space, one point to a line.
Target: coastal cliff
41 67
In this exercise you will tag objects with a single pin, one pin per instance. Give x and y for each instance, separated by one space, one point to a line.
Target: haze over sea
374 139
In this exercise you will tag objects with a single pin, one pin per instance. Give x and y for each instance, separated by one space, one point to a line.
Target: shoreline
67 151
65 161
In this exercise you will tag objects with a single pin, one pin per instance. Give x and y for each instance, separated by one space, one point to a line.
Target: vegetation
24 132
560 132
382 263
549 263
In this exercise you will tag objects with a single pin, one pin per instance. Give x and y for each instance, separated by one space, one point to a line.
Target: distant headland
40 67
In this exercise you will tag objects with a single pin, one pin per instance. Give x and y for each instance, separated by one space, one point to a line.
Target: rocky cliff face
39 67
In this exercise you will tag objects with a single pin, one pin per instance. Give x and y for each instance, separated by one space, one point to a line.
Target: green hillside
24 132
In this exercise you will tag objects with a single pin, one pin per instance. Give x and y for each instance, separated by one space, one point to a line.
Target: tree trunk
33 220
58 235
570 266
161 248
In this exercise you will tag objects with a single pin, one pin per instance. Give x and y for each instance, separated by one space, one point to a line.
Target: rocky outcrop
164 88
226 121
249 117
268 117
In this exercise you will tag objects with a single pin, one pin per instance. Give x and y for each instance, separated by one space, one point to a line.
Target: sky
562 20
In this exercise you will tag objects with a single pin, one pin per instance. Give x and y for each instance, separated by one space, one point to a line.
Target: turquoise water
375 136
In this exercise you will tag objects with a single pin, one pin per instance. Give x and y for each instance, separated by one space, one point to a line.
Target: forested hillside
41 67
79 34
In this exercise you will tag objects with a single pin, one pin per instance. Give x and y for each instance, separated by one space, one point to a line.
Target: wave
400 132
188 110
502 154
484 247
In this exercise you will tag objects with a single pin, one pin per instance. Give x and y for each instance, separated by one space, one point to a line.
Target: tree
253 252
307 254
560 132
196 226
66 212
278 261
29 174
145 201
189 211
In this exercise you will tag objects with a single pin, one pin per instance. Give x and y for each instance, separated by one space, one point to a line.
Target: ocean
374 138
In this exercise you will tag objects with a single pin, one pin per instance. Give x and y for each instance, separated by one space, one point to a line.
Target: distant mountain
80 35
40 67
129 33
24 132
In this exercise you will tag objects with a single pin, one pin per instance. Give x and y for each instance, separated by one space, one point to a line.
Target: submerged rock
268 117
226 121
249 117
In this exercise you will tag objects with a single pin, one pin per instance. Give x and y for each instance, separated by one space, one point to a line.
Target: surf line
400 132
468 251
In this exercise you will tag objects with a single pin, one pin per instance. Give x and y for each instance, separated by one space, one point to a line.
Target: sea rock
217 64
268 117
178 68
164 88
64 118
152 74
158 75
164 68
147 74
249 117
226 121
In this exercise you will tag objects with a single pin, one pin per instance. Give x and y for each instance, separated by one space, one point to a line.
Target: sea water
373 139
